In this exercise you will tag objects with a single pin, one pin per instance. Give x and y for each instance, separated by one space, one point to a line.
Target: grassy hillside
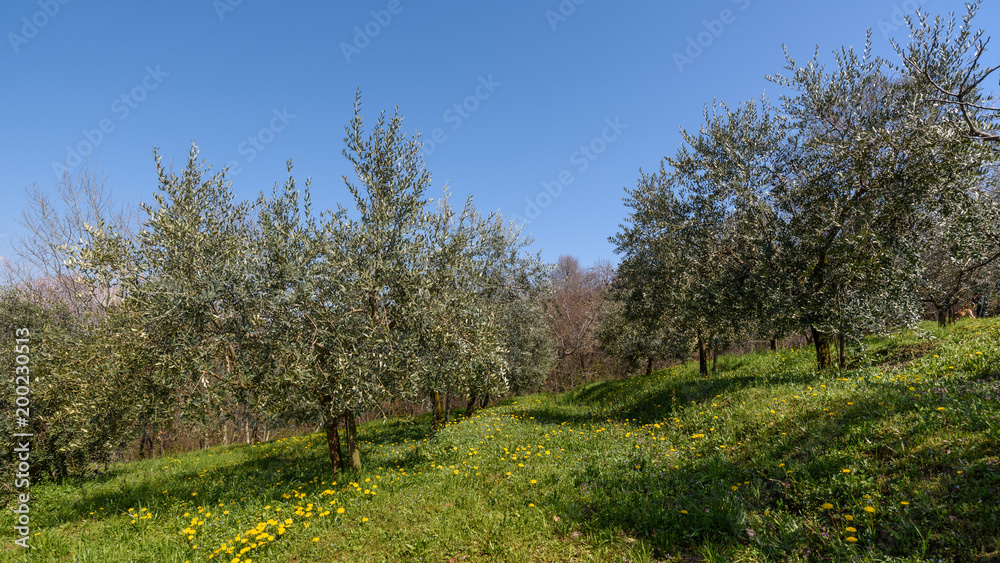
894 459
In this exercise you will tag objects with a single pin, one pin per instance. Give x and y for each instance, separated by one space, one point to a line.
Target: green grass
763 461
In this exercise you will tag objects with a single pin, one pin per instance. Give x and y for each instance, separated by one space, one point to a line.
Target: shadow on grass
725 495
265 473
163 483
892 356
636 400
673 511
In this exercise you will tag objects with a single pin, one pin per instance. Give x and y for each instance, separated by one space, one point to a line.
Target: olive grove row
305 316
868 194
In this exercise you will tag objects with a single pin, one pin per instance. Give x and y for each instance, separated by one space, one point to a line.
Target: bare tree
573 313
54 223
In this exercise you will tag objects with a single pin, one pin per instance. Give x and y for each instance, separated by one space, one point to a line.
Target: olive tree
340 292
867 164
639 338
82 396
516 284
394 298
460 332
961 252
185 293
478 309
682 265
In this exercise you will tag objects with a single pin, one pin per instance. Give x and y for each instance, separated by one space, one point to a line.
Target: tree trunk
471 407
485 402
436 408
822 341
353 451
333 443
146 445
842 350
774 344
255 438
702 356
942 317
649 366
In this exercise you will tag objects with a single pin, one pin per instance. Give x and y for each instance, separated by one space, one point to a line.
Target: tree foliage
321 317
944 55
807 215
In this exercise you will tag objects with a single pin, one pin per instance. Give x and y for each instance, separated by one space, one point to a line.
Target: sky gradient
544 110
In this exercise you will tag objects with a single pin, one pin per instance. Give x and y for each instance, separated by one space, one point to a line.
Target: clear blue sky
514 89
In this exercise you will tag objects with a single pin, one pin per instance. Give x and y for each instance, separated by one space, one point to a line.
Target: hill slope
893 459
